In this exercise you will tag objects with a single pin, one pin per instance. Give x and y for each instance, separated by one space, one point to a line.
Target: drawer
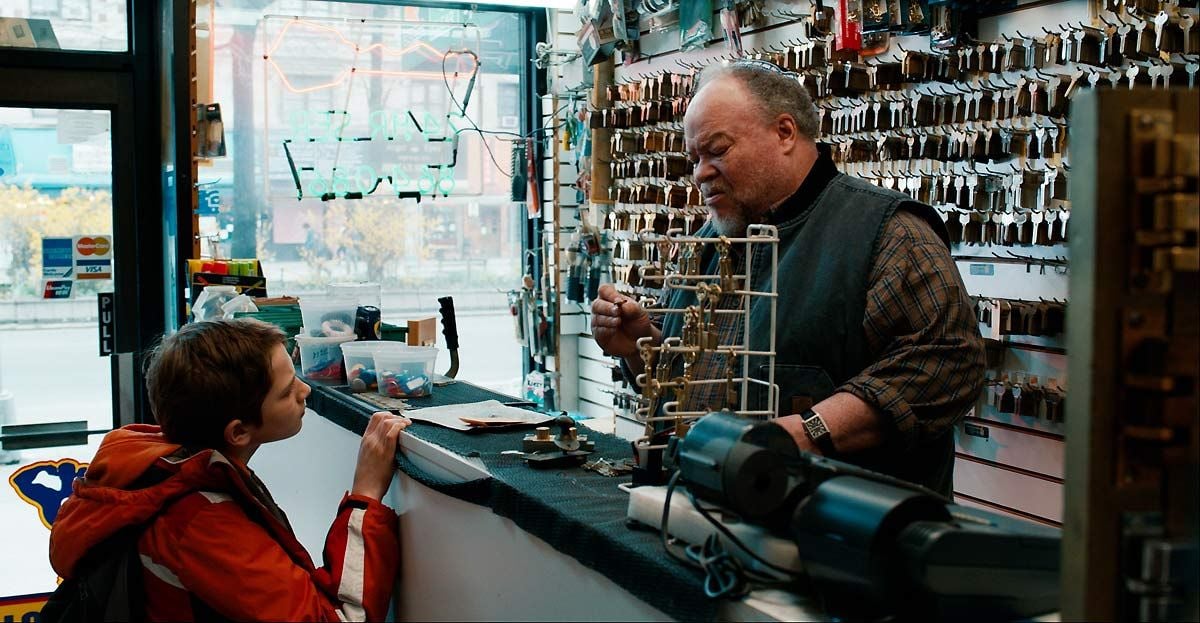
1007 446
1023 492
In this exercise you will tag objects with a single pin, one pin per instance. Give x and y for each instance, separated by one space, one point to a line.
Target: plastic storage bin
360 362
407 372
363 292
321 357
328 317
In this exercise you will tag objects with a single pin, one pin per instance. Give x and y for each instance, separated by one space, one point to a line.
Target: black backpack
108 584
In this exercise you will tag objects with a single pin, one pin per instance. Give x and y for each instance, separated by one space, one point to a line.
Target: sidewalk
396 306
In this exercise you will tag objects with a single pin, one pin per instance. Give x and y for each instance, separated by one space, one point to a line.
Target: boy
216 545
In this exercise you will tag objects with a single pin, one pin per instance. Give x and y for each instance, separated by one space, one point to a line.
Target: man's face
283 408
734 153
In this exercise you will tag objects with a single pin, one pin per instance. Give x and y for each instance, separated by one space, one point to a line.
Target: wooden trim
1010 468
1013 427
1008 509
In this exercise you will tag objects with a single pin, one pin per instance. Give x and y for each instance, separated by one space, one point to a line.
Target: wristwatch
817 431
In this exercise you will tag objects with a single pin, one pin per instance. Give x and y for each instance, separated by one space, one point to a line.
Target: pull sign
107 316
976 430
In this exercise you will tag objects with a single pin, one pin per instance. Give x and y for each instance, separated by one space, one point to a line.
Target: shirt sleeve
236 567
919 319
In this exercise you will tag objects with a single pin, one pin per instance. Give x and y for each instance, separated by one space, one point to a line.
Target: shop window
365 98
91 25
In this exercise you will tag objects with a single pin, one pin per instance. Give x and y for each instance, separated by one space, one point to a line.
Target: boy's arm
238 569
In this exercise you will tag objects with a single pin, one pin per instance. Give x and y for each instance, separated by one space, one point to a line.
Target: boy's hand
377 455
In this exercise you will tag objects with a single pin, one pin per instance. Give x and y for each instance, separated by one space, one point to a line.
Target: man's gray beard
734 226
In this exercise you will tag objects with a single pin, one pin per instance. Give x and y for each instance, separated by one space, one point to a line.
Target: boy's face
283 408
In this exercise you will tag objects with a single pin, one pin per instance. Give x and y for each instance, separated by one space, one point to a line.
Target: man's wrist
816 430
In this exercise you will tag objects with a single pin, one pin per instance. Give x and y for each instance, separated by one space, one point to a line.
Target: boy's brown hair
208 374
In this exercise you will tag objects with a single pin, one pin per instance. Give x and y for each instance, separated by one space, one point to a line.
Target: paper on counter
473 415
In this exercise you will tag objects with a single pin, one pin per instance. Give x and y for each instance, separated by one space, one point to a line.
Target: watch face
815 427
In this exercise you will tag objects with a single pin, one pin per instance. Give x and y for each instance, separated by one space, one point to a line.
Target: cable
475 127
725 575
738 542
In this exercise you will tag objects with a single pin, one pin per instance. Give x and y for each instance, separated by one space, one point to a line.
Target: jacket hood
102 502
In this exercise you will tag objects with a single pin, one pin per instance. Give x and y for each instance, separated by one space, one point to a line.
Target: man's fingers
606 321
607 292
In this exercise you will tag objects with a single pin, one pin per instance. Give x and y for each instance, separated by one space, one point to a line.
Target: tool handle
449 324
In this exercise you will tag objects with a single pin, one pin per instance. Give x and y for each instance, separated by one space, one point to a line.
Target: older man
878 355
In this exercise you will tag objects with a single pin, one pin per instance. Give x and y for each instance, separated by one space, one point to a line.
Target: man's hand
618 322
377 455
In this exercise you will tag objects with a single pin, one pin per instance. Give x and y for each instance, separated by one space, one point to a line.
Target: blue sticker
985 270
42 496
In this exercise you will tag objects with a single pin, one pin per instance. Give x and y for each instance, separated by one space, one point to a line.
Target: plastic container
328 317
362 292
321 357
208 304
406 372
359 358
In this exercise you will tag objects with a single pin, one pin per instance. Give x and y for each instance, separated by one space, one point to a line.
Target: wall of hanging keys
963 105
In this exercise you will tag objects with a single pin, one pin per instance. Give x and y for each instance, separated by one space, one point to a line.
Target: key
1131 74
1160 20
1122 33
1039 134
1186 21
955 101
1052 141
1073 85
1033 96
1052 85
1077 46
1114 78
1191 69
921 142
972 183
875 108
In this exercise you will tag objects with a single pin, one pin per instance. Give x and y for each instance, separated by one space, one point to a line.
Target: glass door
57 256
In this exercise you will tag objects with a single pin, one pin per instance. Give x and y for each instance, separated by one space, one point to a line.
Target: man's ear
787 132
237 434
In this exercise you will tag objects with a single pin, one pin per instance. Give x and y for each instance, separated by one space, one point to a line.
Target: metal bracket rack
700 334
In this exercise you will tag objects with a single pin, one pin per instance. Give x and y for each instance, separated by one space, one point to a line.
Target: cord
725 576
482 133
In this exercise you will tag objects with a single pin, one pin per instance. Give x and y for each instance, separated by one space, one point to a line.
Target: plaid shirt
920 328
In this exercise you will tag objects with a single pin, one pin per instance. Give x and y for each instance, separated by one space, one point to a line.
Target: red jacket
222 544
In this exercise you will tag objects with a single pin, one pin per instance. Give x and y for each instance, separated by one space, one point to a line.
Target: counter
483 536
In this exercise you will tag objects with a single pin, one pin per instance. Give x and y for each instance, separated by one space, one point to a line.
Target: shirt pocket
800 387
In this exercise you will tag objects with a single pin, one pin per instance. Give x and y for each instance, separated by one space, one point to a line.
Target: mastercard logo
100 245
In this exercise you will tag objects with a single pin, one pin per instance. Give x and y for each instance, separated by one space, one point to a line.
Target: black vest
826 253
